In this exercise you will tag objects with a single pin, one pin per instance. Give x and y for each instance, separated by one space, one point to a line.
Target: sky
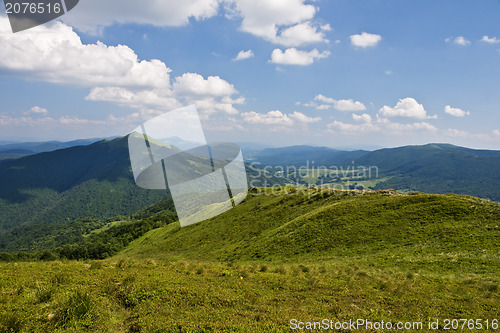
336 73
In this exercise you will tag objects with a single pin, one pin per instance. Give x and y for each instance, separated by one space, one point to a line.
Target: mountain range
96 181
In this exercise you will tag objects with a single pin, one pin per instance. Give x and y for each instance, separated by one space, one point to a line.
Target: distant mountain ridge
82 181
14 150
299 156
89 181
96 180
438 168
430 168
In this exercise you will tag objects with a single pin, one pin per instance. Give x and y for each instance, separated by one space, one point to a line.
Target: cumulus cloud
324 99
455 112
302 118
138 99
326 27
55 53
277 117
195 84
37 122
300 34
492 40
460 40
38 110
287 23
364 118
242 55
407 107
340 105
365 40
365 124
456 133
292 56
93 15
283 22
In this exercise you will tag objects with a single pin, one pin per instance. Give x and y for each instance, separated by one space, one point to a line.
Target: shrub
79 306
304 269
11 322
43 294
226 273
59 278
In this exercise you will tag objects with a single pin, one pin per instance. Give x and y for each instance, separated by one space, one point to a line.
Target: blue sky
334 73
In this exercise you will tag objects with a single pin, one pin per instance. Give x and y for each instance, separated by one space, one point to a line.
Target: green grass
150 296
273 258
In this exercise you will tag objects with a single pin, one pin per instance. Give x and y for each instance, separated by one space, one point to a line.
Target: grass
178 296
292 255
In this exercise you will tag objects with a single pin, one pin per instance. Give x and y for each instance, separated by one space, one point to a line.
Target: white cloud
138 99
300 34
324 99
365 40
277 117
456 133
455 111
364 118
403 128
346 128
492 40
388 72
288 23
326 27
407 107
55 53
195 84
284 22
460 40
496 132
349 105
384 126
271 118
302 118
38 110
292 56
92 16
340 105
37 122
242 55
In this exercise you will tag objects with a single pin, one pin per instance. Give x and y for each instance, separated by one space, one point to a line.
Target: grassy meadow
291 255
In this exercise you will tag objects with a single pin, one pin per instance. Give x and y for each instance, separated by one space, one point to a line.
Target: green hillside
321 224
301 156
438 168
93 181
282 254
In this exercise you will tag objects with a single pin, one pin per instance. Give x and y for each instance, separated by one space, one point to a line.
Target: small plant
11 322
491 287
410 276
264 268
304 269
280 270
200 271
43 294
226 273
122 264
96 264
79 306
59 278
